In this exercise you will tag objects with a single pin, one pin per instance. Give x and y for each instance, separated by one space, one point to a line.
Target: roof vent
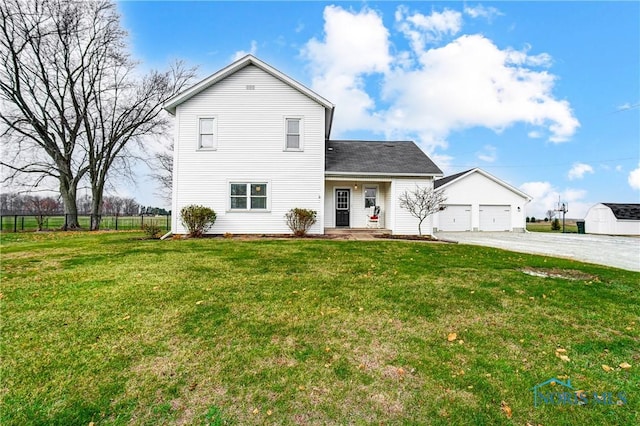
251 87
330 148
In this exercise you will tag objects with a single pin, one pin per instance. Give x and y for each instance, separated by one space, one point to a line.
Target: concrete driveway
619 252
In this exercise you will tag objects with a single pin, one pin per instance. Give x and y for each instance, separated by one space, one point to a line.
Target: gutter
167 235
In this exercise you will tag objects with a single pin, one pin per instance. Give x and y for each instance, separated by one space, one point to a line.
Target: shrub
546 219
528 220
197 219
555 225
300 220
533 219
152 230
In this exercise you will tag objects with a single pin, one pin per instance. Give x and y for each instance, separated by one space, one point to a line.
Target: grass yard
542 226
112 329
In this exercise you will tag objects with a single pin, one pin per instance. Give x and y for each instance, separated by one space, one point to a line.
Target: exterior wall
250 148
601 220
403 222
358 213
476 189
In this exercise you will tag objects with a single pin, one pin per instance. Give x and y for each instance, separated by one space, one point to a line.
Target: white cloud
481 11
634 178
355 44
619 168
535 134
627 106
546 197
429 93
421 29
242 53
578 171
489 154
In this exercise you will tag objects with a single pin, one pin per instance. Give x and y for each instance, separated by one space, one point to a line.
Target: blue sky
544 95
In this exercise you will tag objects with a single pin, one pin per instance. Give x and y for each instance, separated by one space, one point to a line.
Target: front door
342 207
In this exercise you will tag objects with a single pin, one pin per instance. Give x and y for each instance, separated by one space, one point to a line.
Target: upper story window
207 133
293 134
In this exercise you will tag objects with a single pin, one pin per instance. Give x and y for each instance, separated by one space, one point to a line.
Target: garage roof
625 211
448 180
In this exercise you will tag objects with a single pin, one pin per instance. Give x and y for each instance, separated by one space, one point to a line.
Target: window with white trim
293 134
248 196
207 133
370 195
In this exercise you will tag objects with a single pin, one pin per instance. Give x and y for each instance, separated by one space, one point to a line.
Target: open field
112 329
542 226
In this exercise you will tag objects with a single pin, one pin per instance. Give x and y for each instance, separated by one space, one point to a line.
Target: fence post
22 222
65 222
167 222
141 221
15 223
116 221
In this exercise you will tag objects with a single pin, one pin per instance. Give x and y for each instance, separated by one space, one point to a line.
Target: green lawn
112 329
542 226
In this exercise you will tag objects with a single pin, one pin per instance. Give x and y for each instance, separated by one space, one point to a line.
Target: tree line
112 205
73 105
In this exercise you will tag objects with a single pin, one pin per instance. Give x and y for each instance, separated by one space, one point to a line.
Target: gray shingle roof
370 157
439 182
625 211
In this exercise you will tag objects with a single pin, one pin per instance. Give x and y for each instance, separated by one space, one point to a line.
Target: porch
356 233
350 204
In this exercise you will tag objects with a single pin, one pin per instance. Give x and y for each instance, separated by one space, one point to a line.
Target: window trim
300 132
215 132
248 183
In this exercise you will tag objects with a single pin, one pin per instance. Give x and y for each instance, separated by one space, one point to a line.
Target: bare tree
41 207
130 207
551 214
422 202
70 103
163 171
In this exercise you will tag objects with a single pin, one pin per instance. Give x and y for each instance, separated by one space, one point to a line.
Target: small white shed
613 219
479 201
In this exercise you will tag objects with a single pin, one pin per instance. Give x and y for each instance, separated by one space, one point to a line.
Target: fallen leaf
506 409
564 358
255 411
625 365
269 412
452 336
199 302
606 368
461 341
360 309
561 351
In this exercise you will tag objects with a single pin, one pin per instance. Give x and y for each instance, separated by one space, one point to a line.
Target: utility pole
563 208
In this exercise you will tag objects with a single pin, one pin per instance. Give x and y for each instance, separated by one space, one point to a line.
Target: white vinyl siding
250 142
293 134
206 133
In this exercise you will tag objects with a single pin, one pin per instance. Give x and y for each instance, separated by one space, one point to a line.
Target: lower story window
248 196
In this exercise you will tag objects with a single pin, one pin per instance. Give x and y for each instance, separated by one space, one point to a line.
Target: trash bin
580 224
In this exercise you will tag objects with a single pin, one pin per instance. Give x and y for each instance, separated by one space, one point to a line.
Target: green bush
300 220
151 230
197 219
555 225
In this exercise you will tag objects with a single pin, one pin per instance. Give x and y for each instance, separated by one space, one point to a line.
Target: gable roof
401 158
625 211
449 180
171 104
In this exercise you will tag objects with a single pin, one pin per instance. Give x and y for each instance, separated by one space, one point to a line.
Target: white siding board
403 222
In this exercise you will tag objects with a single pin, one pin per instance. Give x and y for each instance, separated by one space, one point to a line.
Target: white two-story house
251 143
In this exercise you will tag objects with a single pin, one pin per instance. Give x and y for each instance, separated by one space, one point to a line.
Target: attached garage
455 218
478 201
495 218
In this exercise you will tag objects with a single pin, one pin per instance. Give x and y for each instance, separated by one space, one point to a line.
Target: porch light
518 208
355 186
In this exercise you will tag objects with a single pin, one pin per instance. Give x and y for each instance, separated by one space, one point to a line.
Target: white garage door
455 218
495 218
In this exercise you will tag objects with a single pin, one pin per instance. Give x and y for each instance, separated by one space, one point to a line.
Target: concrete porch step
356 231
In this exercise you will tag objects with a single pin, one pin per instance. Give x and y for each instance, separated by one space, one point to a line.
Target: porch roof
399 158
